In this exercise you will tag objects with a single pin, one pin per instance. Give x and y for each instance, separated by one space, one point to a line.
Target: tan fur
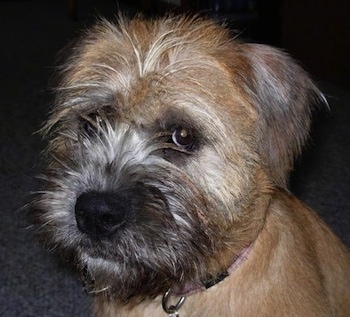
251 105
311 279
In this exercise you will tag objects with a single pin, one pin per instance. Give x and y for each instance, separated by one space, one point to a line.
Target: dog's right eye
90 124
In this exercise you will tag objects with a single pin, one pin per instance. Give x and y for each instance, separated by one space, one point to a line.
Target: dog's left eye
183 138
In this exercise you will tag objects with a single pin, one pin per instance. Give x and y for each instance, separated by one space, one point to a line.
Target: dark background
316 32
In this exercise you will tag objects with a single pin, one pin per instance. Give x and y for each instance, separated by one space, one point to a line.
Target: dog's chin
122 281
121 269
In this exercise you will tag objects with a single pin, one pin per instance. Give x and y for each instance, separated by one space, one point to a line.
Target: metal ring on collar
172 309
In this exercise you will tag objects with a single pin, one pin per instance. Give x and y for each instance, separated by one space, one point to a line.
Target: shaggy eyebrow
176 118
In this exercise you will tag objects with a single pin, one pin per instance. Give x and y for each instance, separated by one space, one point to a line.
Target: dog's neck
194 287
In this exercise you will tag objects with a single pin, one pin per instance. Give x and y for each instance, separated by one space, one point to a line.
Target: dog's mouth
124 281
132 244
96 282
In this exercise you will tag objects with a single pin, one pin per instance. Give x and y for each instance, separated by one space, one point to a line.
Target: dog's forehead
143 46
146 68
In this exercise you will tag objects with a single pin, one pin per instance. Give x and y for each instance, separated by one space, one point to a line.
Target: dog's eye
183 138
91 123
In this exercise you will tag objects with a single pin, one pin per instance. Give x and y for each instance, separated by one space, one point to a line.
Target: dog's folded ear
284 97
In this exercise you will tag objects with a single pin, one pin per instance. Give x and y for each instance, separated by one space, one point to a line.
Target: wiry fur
190 211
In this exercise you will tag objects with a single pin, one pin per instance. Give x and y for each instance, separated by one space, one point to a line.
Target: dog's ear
284 97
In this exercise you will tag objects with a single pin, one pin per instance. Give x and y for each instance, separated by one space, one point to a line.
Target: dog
170 145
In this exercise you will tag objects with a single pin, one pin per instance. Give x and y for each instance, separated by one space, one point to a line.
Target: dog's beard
152 252
168 239
156 249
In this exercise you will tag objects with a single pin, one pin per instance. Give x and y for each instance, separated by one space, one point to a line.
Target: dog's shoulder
300 238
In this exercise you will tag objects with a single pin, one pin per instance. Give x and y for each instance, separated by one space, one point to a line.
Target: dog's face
166 141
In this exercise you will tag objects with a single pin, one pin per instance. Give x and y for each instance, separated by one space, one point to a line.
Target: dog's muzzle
100 215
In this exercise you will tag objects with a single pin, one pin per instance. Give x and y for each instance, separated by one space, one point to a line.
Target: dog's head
166 140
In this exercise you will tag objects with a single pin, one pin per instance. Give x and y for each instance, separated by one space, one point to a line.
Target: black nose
100 214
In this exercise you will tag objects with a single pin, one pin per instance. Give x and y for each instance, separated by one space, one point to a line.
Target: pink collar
193 287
